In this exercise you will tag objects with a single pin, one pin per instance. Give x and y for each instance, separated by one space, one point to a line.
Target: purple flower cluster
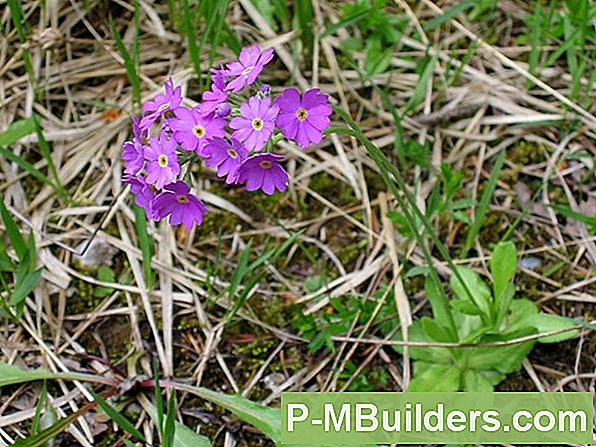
231 131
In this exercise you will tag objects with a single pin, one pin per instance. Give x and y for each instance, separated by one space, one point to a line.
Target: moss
349 253
528 152
253 355
324 184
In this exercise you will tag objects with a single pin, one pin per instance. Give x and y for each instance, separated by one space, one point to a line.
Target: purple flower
225 156
251 63
255 123
218 77
262 171
183 207
138 133
213 98
192 130
162 103
303 119
144 194
163 167
223 110
133 156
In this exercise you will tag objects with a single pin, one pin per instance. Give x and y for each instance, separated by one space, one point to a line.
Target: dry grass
83 98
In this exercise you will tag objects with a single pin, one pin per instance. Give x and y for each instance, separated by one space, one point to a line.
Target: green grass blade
448 15
158 400
536 38
120 420
47 154
408 207
14 234
25 285
145 244
16 14
170 427
16 131
347 21
129 64
189 29
25 165
303 13
39 408
484 203
420 89
44 437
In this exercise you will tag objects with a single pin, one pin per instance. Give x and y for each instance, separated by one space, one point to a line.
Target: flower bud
223 110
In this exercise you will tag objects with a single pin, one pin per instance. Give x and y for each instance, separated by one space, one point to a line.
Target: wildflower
144 194
138 133
223 110
252 61
226 157
162 166
192 130
218 77
213 98
182 207
263 171
256 123
133 156
169 100
303 119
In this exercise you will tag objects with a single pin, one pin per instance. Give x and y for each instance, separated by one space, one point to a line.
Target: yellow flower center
163 161
182 199
232 153
247 70
257 123
301 114
199 131
163 107
265 164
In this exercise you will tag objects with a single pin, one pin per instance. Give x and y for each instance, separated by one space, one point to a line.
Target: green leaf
41 403
484 203
346 21
266 419
6 264
437 378
434 330
25 165
43 438
448 15
16 131
431 353
185 437
465 307
420 89
520 310
12 375
25 285
120 420
105 274
590 221
480 292
475 382
440 306
504 359
503 264
169 430
549 323
14 234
